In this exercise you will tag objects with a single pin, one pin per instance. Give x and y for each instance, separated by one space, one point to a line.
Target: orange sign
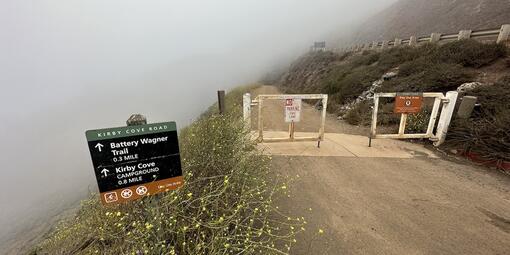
138 191
408 103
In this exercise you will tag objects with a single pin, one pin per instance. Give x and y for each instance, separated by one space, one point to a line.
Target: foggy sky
69 66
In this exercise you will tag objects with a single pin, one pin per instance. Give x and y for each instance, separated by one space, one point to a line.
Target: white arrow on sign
99 146
105 172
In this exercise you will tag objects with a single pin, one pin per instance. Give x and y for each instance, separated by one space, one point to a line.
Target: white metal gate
448 102
259 102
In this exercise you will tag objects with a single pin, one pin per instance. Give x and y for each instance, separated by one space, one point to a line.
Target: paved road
394 198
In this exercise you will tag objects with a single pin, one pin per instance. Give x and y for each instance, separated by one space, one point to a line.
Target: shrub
225 207
418 122
394 57
360 114
489 137
470 53
425 76
494 99
487 132
386 117
366 58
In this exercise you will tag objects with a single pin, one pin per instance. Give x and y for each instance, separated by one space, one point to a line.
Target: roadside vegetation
487 133
227 205
427 68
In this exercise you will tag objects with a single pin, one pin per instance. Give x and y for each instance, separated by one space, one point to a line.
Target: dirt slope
374 205
418 17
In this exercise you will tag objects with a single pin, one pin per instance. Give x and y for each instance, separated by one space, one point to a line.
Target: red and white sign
292 110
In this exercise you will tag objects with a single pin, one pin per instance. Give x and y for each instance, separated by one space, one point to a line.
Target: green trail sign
135 161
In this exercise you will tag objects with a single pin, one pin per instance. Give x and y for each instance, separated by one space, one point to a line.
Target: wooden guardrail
501 35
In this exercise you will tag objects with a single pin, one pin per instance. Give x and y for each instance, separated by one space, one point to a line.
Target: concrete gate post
446 116
504 33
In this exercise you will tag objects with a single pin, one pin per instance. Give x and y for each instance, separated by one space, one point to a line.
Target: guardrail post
446 116
435 37
374 45
398 41
464 34
247 111
504 33
384 45
413 41
366 46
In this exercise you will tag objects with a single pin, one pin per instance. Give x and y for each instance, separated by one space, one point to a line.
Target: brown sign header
408 103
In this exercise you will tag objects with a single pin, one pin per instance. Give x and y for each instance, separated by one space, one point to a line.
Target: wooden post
291 130
398 42
136 119
221 101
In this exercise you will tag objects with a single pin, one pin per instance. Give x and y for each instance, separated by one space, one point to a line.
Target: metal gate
448 105
259 102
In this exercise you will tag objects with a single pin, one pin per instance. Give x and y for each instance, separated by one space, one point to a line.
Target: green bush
226 205
487 132
493 99
386 116
423 75
470 53
418 122
488 137
366 58
360 114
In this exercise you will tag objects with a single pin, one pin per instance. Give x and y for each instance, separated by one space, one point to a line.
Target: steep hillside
419 17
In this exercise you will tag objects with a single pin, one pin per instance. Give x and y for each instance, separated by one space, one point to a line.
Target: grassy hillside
416 17
225 207
351 79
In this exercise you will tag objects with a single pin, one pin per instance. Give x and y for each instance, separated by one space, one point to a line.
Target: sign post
135 161
292 114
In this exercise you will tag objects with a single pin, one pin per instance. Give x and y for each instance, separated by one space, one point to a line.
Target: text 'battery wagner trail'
135 161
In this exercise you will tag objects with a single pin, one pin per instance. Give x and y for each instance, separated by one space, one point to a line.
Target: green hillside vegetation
227 205
426 68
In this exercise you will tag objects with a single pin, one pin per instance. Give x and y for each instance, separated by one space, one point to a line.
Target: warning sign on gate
135 161
292 110
408 103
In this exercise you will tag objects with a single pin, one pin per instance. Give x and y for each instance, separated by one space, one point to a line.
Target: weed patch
226 205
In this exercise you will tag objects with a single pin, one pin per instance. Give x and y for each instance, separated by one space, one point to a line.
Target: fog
69 66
